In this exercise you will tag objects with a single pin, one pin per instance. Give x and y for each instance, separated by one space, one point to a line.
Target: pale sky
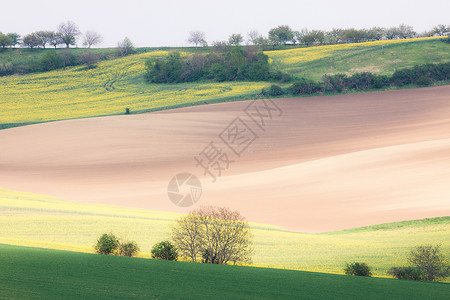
168 22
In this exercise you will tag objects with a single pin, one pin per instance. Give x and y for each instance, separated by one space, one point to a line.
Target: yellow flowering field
108 89
117 84
41 221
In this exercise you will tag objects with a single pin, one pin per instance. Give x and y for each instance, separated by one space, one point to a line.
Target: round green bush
422 80
275 90
164 250
107 244
358 269
408 273
128 248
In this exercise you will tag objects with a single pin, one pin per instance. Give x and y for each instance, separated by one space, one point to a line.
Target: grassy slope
24 56
117 84
41 221
381 57
30 273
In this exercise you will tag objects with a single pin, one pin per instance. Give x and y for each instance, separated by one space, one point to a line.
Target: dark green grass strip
33 273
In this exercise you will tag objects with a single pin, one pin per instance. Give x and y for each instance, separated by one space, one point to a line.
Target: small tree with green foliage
358 269
235 39
5 41
31 41
128 248
107 244
431 260
164 250
125 47
15 39
281 34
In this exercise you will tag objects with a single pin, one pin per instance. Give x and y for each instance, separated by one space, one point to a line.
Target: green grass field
380 57
32 273
118 84
41 221
22 57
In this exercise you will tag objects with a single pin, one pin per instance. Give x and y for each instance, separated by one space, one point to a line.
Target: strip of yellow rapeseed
108 89
303 55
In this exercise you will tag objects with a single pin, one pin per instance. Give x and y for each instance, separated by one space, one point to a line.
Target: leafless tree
92 38
217 233
197 38
252 37
69 32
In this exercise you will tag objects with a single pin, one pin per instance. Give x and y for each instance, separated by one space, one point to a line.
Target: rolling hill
379 57
41 274
327 163
341 167
42 221
119 84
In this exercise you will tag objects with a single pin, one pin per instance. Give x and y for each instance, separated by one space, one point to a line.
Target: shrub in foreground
6 69
128 248
273 91
304 86
164 250
107 244
408 273
358 269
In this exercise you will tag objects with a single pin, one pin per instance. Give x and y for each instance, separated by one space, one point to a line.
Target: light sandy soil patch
326 163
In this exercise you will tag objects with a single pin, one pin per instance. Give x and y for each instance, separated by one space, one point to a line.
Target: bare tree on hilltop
252 37
197 38
92 38
69 32
441 29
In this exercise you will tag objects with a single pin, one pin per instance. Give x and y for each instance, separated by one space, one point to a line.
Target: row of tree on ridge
284 35
68 32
